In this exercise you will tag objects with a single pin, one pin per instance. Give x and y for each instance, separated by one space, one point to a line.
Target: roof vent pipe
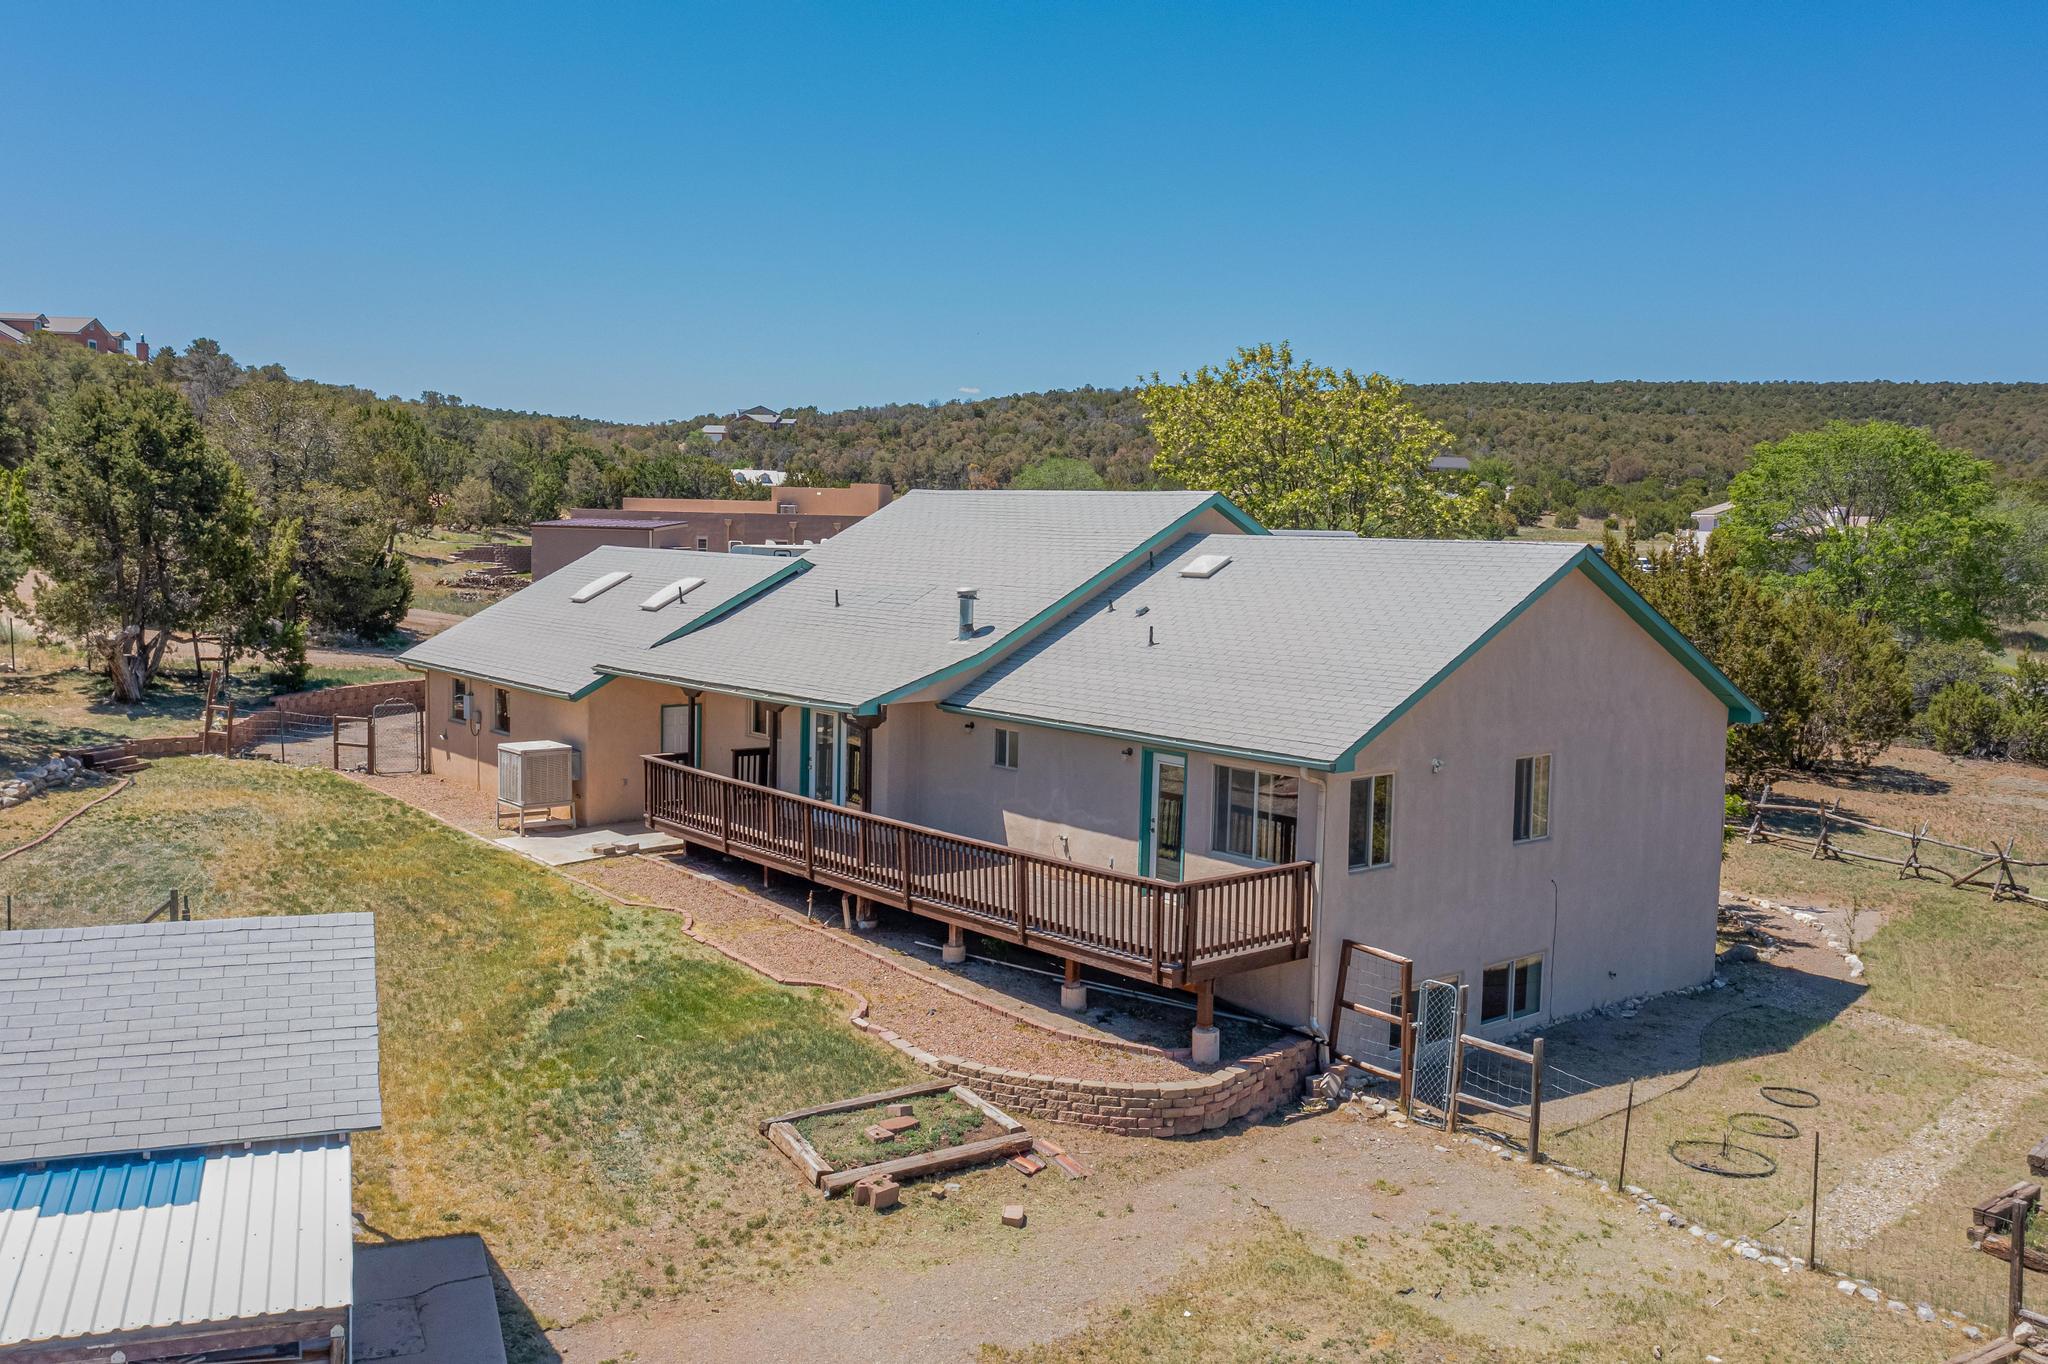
967 596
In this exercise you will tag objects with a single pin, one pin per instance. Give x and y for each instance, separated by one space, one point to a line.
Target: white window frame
1535 834
460 698
1372 782
1006 749
1516 967
703 542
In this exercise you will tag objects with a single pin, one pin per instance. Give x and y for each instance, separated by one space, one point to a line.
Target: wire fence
55 909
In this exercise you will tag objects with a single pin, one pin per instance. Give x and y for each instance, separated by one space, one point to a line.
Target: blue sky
661 210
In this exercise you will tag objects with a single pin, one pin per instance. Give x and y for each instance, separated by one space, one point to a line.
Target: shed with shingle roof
148 1037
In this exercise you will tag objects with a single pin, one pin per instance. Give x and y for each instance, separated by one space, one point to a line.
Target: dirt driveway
1332 1177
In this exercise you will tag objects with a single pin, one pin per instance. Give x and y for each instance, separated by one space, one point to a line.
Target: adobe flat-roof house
1136 732
709 523
176 1102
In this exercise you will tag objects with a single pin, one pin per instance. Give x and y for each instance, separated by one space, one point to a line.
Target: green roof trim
1592 563
1216 502
793 568
1741 710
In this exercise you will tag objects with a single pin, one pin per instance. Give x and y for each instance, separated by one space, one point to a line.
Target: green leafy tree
1059 472
1831 688
1302 445
141 525
1880 520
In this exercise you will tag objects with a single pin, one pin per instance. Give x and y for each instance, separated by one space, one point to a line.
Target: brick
899 1110
884 1193
879 1133
1013 1214
896 1126
1027 1165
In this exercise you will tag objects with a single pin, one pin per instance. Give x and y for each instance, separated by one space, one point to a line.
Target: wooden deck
1170 933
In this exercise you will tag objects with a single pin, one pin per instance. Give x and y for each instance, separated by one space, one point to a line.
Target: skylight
598 586
1204 565
674 592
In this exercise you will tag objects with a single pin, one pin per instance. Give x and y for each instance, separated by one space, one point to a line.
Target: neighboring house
89 332
1134 731
760 416
1451 464
176 1102
765 478
707 523
1707 518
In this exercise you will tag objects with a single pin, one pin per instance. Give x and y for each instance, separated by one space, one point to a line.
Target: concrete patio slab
564 847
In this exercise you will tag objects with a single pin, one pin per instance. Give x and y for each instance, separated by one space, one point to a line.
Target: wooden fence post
1408 1039
1536 1101
1627 1121
2016 1265
1337 1000
1813 1210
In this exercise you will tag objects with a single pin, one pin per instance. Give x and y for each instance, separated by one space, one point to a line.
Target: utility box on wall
537 776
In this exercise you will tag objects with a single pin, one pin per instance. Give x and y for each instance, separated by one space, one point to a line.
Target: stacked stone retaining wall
1250 1088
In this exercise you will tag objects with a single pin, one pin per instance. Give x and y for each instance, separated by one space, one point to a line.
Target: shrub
1964 720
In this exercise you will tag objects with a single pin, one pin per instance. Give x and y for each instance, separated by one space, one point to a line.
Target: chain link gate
1438 1021
401 736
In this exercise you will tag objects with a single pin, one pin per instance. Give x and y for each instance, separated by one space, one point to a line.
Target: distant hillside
1586 434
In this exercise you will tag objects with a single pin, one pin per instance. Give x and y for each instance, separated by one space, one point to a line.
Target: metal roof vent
674 592
598 586
967 597
1204 566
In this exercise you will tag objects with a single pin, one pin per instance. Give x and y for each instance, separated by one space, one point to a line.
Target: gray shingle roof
1295 649
142 1037
539 640
878 611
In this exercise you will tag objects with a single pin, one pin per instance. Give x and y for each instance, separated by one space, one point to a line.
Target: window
757 719
501 711
1532 798
1372 821
678 732
1006 748
92 345
1255 814
825 756
703 542
1511 990
458 699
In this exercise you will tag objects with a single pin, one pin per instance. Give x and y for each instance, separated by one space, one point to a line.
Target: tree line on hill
1884 534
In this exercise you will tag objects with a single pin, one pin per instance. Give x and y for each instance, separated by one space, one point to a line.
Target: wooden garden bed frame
821 1175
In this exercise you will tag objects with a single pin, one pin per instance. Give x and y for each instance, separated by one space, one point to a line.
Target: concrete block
1013 1214
884 1193
953 953
1073 998
879 1133
899 1110
1207 1045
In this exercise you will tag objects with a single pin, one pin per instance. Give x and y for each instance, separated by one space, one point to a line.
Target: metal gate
399 727
1438 1022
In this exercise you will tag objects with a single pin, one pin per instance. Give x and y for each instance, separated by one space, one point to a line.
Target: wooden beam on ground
858 1101
931 1162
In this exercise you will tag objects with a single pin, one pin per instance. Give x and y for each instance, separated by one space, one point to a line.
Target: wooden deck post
1205 1003
1073 967
1021 891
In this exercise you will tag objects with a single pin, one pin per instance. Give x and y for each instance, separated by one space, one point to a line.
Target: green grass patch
1875 1091
942 1121
556 1068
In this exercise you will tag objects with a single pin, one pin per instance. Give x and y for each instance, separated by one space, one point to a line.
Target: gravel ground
905 994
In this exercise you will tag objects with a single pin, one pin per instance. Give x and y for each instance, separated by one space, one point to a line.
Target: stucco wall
468 755
556 547
1635 817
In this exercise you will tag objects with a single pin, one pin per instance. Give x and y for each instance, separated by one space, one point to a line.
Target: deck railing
1172 933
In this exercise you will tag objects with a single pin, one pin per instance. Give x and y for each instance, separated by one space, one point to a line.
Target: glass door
825 756
1168 821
